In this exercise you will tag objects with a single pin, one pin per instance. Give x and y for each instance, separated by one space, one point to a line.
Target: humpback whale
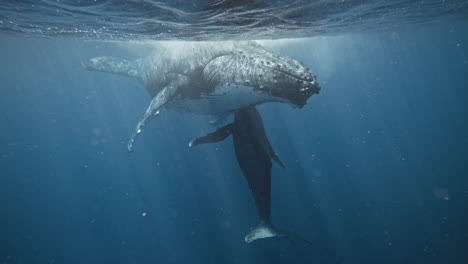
212 78
254 154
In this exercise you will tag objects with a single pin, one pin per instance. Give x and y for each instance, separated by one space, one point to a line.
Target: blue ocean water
376 164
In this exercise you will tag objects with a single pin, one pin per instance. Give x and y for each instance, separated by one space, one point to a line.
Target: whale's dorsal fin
219 135
158 102
115 65
276 158
273 155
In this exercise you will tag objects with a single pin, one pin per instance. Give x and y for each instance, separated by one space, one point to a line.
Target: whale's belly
224 99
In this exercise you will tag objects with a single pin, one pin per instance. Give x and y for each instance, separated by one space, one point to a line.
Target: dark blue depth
376 165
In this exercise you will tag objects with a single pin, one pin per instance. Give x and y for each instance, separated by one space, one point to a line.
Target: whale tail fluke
114 65
264 230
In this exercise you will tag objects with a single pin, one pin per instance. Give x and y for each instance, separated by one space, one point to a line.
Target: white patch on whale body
224 99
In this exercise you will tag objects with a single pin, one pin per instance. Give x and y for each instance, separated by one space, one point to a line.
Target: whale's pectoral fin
158 102
216 136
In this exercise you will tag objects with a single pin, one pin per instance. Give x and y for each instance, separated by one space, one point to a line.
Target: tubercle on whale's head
288 78
296 90
255 66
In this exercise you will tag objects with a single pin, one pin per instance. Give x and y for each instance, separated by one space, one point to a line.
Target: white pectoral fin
158 102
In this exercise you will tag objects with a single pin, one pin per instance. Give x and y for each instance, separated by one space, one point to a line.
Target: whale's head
286 78
252 65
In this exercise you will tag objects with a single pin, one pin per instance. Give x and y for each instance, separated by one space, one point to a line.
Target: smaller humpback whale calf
254 154
212 78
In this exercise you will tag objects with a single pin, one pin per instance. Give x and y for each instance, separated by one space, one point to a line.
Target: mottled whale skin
212 78
254 155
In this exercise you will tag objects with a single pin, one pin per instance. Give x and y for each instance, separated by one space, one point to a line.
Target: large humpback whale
212 78
254 154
